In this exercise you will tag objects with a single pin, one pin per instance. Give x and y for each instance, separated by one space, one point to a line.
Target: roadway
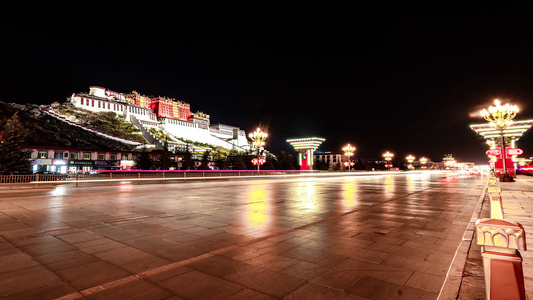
355 237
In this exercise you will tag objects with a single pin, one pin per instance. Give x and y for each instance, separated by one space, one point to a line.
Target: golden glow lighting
258 138
388 156
348 150
410 159
498 115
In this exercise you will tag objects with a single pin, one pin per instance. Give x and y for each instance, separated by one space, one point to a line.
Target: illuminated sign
514 151
81 162
260 161
59 162
127 163
493 152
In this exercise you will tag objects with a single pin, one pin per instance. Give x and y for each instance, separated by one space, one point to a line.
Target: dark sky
383 78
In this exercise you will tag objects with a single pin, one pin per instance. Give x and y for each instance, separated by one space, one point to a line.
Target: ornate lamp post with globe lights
501 117
410 159
388 157
423 162
258 138
348 151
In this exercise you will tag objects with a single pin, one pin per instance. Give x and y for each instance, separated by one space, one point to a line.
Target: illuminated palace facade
162 113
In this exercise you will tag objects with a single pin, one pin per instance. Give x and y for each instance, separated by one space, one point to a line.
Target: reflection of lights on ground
125 186
308 202
257 217
257 214
422 180
348 194
389 186
58 191
410 183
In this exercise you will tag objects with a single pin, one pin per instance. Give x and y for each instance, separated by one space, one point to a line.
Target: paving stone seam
452 284
97 224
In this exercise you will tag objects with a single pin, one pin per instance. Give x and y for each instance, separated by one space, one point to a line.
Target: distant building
72 160
162 113
334 160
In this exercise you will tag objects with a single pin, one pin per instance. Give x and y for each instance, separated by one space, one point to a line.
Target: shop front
41 165
59 165
106 164
85 166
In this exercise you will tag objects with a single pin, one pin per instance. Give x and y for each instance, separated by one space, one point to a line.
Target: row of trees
12 157
161 160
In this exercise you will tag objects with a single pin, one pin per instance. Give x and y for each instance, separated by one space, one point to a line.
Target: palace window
101 156
86 155
42 154
73 155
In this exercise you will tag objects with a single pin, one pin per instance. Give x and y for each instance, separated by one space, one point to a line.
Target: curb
452 284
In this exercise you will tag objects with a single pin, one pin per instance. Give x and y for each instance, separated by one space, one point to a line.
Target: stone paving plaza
352 237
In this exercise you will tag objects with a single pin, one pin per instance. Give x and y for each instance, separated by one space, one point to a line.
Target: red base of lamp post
506 178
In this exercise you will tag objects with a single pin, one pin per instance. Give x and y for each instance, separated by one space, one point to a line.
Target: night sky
384 78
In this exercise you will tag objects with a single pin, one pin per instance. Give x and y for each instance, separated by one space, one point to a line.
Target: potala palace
163 114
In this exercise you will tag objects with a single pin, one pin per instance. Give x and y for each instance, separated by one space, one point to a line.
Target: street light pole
410 160
388 157
500 117
258 138
348 151
423 162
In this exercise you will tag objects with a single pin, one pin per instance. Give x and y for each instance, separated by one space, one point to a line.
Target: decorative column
388 157
502 263
500 117
258 138
305 148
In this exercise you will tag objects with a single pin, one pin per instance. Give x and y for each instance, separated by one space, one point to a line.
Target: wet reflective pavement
355 237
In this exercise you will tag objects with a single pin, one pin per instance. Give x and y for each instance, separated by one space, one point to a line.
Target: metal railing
30 178
140 176
110 177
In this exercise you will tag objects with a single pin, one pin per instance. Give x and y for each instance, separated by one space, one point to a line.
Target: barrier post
500 241
77 178
496 207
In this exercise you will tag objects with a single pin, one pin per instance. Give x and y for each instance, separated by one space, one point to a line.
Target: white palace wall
101 100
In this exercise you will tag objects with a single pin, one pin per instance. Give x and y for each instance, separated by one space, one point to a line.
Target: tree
268 165
286 161
238 162
239 165
164 162
221 163
143 161
321 165
187 163
12 157
205 161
